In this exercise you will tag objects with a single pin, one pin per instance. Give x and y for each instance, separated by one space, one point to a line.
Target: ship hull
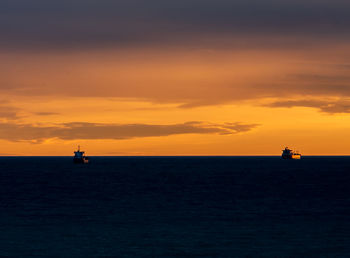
291 156
80 160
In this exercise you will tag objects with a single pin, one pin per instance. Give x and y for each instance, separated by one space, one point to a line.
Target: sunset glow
150 78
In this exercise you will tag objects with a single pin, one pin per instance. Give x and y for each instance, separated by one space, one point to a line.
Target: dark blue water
175 207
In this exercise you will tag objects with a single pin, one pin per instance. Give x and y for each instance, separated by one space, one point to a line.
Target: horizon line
268 155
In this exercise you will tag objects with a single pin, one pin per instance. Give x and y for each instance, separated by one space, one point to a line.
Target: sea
175 207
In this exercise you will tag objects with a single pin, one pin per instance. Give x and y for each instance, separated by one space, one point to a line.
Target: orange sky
167 86
110 92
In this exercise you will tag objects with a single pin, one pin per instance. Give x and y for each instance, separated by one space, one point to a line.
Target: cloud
95 131
89 23
185 79
8 112
187 52
238 127
46 113
326 106
14 113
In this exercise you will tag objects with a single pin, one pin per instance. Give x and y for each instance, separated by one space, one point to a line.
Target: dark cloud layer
88 23
93 131
98 24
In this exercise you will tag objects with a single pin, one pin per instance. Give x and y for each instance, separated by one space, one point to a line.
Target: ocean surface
175 207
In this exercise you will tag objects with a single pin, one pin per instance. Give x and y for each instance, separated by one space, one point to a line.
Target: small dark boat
79 157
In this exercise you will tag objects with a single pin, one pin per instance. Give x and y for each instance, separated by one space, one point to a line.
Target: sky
185 77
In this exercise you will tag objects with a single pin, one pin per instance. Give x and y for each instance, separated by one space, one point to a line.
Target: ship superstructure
79 157
289 154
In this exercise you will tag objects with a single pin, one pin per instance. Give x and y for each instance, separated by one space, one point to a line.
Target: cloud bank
91 23
326 106
189 52
95 131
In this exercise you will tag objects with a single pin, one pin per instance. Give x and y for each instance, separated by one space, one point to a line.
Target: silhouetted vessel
289 154
79 157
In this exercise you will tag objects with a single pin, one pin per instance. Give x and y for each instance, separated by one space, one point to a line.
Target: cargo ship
79 157
289 154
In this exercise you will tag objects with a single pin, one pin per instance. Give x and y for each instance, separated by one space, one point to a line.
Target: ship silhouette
289 154
79 157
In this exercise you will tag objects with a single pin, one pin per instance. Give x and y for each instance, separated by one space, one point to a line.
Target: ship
79 157
289 154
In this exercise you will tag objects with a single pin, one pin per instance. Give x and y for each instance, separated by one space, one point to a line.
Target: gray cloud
63 24
326 106
336 83
94 131
90 23
46 113
8 112
14 113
